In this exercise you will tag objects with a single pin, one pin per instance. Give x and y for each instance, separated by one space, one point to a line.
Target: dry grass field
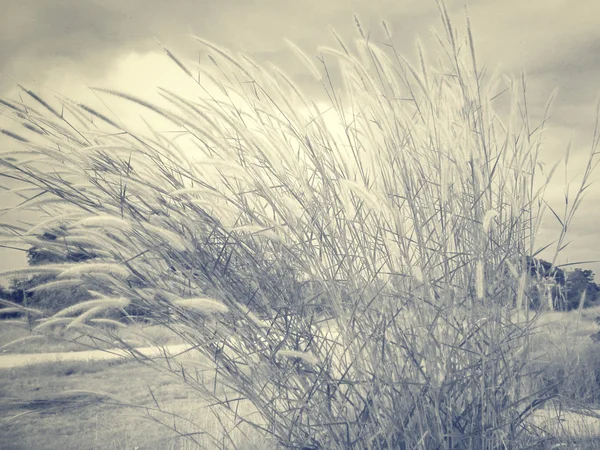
53 406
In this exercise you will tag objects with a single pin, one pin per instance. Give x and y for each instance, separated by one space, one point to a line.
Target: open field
17 339
16 360
79 421
34 418
49 406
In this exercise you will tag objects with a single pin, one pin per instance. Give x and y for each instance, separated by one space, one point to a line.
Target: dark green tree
580 281
542 272
567 288
20 290
538 268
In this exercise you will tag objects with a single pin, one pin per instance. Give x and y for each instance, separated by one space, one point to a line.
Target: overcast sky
65 45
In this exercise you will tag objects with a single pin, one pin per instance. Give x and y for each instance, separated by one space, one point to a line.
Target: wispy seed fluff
105 220
103 303
57 284
368 197
82 318
31 271
203 304
54 321
117 270
167 236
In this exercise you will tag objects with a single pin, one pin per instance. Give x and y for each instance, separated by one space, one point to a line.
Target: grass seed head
106 221
78 270
203 304
103 303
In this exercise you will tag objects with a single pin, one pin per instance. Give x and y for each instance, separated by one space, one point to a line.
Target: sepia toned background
65 46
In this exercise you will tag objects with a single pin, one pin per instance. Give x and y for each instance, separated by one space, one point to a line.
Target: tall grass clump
356 286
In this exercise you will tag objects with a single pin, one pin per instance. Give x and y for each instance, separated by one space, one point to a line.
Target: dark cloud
39 35
36 36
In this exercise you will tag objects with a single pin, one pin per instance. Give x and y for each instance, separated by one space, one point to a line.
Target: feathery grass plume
203 304
77 270
11 310
95 113
169 237
223 54
52 221
304 356
55 284
95 293
175 60
105 221
16 323
25 189
23 339
14 136
12 306
369 198
12 106
38 203
150 106
10 156
82 318
103 302
338 39
32 271
53 321
11 230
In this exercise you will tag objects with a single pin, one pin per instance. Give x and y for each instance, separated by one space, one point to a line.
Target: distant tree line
19 290
565 289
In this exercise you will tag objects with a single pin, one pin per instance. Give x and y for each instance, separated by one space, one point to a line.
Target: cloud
37 37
